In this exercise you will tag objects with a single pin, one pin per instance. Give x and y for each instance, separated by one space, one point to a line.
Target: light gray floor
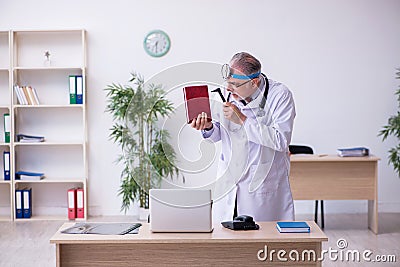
27 243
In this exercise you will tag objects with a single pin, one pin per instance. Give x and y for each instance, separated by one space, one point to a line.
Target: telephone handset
242 222
243 218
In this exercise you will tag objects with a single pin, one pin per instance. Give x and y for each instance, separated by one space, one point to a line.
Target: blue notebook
29 173
33 176
293 227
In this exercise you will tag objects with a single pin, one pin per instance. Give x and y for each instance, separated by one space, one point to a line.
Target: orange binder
80 210
71 203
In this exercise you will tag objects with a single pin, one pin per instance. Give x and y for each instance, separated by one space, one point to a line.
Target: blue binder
79 89
6 165
293 227
19 210
27 200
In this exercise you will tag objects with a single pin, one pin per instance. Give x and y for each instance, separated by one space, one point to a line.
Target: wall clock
157 43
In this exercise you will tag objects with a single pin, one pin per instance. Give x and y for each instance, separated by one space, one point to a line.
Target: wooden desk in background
222 247
328 177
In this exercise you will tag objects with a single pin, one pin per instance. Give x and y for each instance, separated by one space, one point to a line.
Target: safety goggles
236 85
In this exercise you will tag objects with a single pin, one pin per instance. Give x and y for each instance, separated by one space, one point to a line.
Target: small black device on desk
242 222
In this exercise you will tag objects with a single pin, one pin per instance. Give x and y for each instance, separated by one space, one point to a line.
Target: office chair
297 149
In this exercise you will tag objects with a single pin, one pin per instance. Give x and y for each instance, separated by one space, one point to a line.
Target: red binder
196 102
71 203
80 210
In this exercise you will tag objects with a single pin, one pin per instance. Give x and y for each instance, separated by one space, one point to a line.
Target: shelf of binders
67 126
50 86
41 204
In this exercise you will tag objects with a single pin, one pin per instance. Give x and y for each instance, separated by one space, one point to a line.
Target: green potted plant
393 128
147 155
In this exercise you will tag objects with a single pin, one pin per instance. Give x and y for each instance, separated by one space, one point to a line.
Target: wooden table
222 247
328 177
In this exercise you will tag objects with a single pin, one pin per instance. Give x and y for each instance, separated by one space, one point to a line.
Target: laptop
180 210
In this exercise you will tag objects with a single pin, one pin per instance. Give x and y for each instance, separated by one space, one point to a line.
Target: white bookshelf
6 189
63 155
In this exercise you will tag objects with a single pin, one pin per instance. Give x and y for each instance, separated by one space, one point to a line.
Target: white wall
338 58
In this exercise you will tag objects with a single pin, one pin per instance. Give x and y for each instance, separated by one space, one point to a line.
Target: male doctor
255 127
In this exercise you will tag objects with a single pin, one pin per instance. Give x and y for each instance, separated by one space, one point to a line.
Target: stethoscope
261 107
226 73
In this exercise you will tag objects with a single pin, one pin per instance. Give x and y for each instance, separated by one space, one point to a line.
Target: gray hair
245 63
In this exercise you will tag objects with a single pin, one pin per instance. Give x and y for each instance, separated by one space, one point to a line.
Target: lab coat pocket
262 181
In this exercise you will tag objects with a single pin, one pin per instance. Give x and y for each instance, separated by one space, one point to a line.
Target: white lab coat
254 163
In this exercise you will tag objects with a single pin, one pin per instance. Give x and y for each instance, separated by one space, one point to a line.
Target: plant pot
144 214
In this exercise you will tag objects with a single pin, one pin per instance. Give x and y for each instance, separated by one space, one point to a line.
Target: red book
71 203
80 210
196 102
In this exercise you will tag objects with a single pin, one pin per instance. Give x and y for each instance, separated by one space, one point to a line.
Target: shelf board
3 69
50 68
43 218
50 106
5 182
55 181
4 107
4 144
46 30
48 218
5 218
50 144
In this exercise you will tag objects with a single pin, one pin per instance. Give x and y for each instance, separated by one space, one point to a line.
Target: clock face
156 43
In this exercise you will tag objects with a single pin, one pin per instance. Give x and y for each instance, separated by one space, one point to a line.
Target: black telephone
242 222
